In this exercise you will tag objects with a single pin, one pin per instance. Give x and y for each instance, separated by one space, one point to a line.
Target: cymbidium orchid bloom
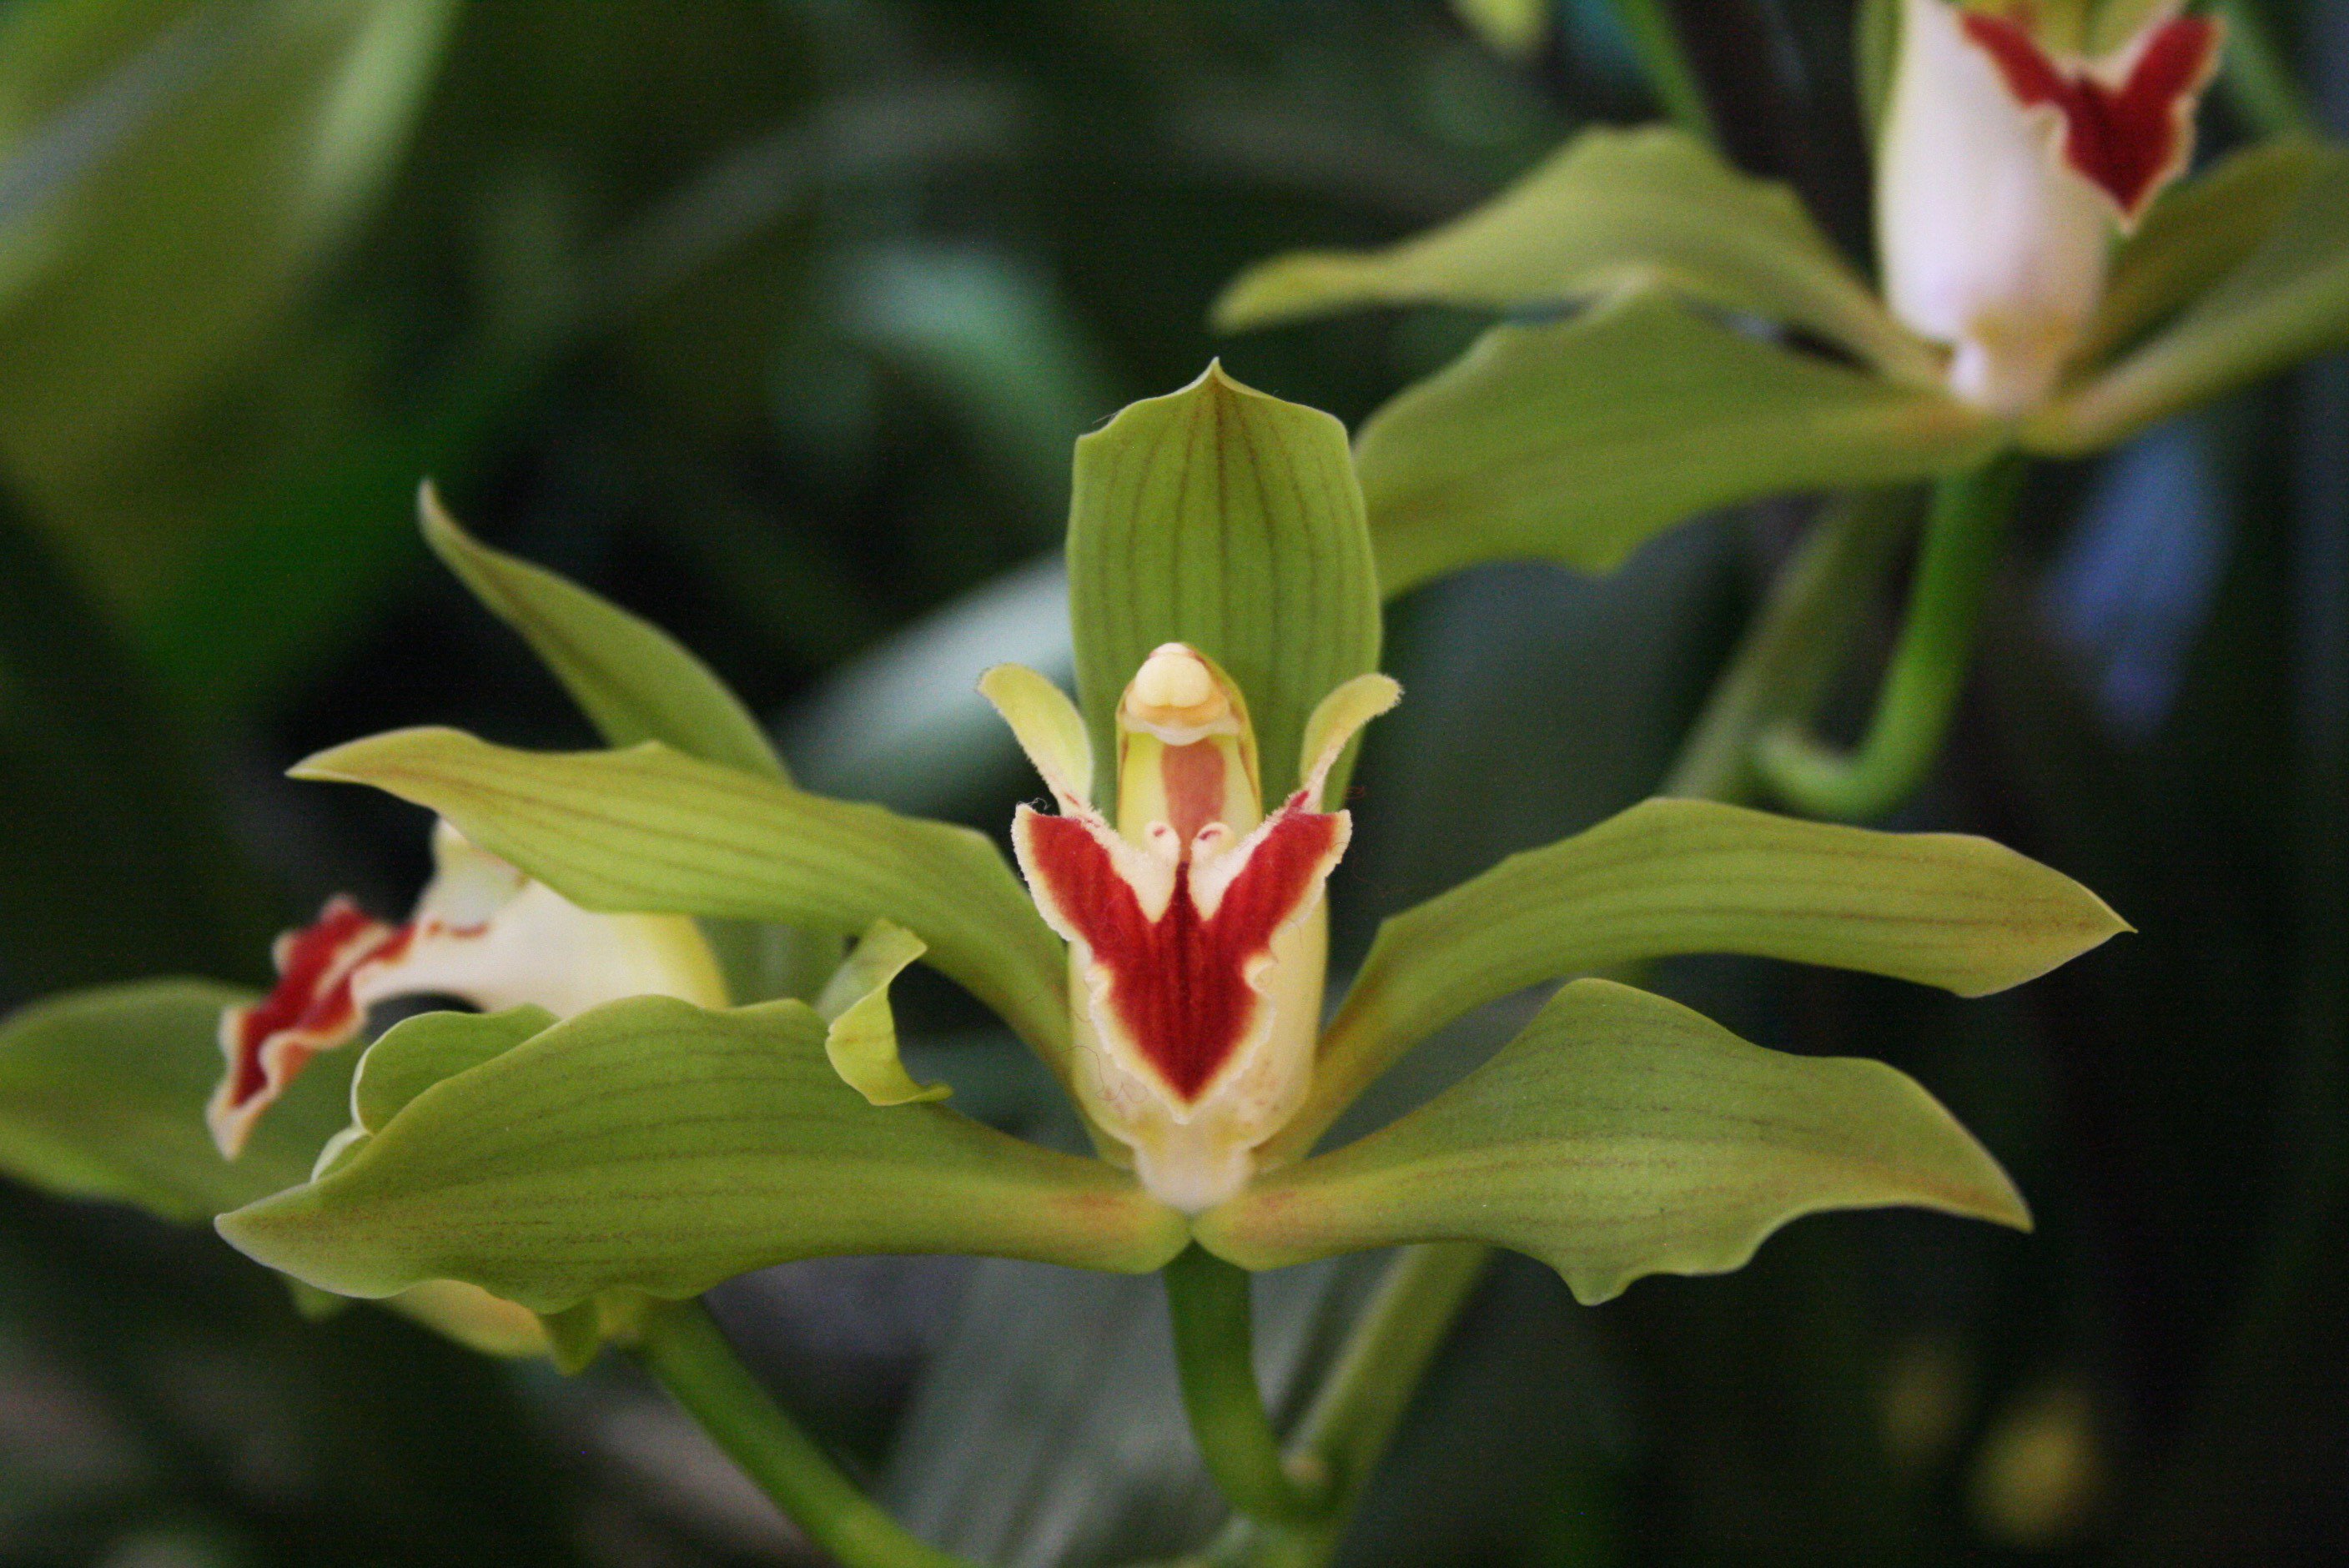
1197 934
482 933
2007 165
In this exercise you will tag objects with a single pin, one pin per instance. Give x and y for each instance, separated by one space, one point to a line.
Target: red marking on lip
311 1009
2127 141
1179 987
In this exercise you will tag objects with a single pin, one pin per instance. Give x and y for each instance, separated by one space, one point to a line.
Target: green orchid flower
1165 956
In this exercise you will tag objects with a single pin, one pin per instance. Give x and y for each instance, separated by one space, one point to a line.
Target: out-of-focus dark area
774 320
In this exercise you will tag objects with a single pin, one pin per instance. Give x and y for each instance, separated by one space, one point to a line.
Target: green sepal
633 680
1670 877
1231 521
653 1146
1613 209
1622 1135
860 1036
637 683
2286 301
102 1095
646 831
1577 440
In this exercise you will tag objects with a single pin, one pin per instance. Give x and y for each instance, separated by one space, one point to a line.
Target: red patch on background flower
1178 985
310 1010
2128 140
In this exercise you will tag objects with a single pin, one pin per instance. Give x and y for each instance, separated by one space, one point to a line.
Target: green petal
2287 301
1694 876
102 1095
861 1032
2198 233
650 1145
1222 518
1623 1135
417 1053
1612 210
1577 440
633 681
1047 724
648 831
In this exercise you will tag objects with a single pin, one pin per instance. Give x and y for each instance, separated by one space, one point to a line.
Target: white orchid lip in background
482 932
2006 167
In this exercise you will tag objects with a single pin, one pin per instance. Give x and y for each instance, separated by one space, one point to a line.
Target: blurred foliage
774 319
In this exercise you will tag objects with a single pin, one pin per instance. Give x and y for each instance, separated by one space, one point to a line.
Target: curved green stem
1362 1400
1929 664
1656 39
1214 1352
688 1354
1793 645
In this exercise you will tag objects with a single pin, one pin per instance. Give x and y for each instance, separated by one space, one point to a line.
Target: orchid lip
1197 923
2127 121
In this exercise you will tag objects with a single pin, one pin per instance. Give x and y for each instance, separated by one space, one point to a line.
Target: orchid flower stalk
2054 278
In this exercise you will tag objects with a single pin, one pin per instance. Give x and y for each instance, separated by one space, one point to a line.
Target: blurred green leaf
2196 234
633 681
646 831
649 1145
116 859
1612 211
1231 521
860 1036
1623 1135
1575 442
1671 877
1512 27
2287 301
102 1095
168 204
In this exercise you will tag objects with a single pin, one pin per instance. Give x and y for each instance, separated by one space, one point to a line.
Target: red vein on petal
311 1009
1181 988
2128 140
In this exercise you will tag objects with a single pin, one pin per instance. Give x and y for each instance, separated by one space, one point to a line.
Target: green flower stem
688 1354
1656 39
2258 78
1929 664
1775 674
1214 1354
1793 644
1362 1400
